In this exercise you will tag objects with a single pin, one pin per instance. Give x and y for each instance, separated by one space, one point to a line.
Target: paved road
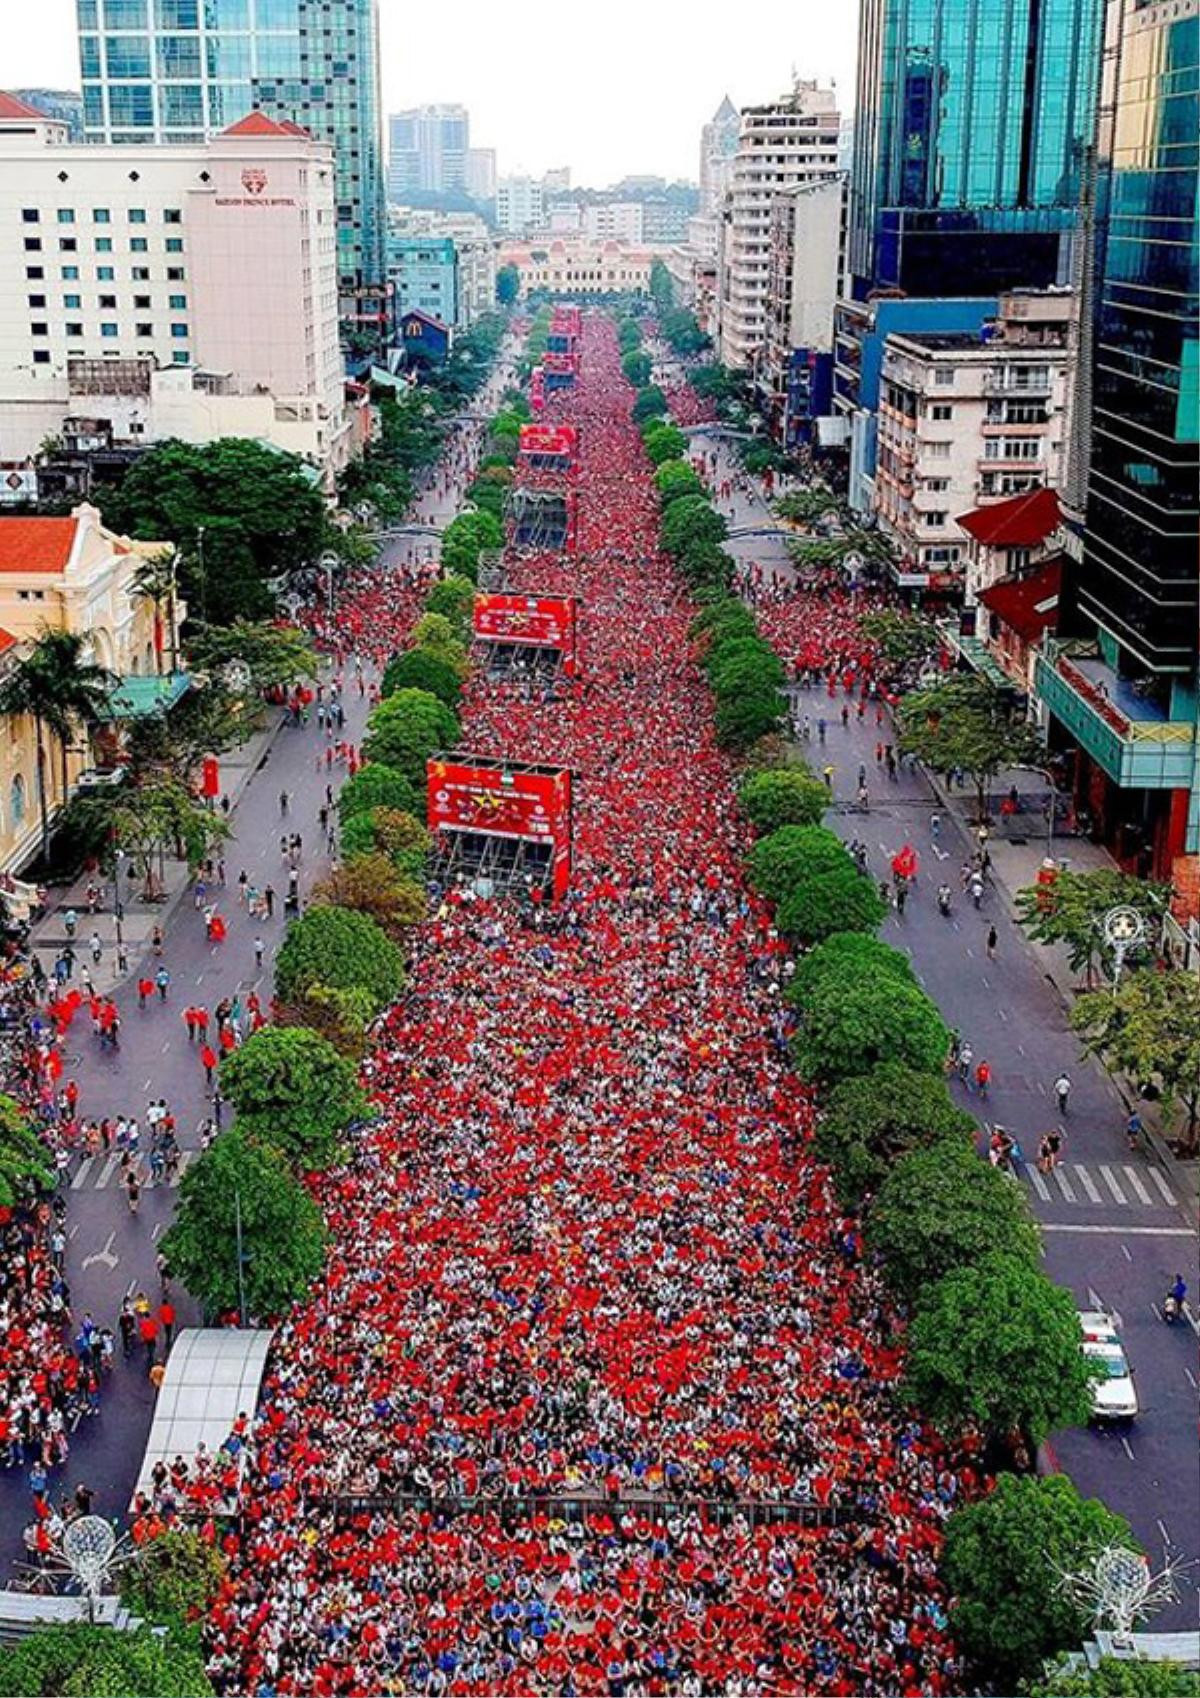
1116 1226
111 1252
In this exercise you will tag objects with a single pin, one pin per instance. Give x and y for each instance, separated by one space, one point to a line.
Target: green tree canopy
1002 1561
806 506
649 403
734 662
691 520
901 638
1071 911
842 959
378 786
675 478
508 285
421 669
996 1348
1150 1030
819 908
61 691
81 1661
25 1164
174 1581
790 856
455 599
871 1121
786 796
292 1090
435 634
665 444
283 1236
374 885
465 539
275 656
160 816
853 1026
1115 1677
943 1208
406 729
965 724
258 509
391 832
636 367
742 719
341 950
725 615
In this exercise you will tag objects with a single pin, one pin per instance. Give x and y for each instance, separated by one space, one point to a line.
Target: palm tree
57 689
155 581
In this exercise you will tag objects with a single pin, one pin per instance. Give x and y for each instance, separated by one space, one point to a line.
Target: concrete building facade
578 267
428 148
796 372
520 204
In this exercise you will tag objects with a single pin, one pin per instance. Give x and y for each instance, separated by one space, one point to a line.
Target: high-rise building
614 220
427 151
520 204
178 70
805 259
791 140
65 104
718 144
481 173
972 123
1123 691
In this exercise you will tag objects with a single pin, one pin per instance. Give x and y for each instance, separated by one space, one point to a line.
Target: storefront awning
137 697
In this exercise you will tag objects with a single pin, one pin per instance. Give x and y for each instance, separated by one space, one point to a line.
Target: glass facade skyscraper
971 134
176 70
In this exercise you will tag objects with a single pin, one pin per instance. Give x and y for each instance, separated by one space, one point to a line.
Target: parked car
1114 1398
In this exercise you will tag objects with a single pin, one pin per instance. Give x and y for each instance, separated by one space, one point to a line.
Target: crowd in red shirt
596 1394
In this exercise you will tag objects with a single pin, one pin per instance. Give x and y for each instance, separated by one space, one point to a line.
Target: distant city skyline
542 97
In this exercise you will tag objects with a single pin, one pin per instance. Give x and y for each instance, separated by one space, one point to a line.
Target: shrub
377 786
870 1122
860 1024
420 669
787 796
341 950
404 731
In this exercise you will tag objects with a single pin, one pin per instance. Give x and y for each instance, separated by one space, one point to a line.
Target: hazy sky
625 92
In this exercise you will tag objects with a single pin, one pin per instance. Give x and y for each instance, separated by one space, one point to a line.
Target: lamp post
1124 929
328 562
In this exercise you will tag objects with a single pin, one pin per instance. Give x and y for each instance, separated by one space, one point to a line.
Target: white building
520 204
614 221
965 420
428 150
718 145
807 224
574 266
481 173
793 140
217 259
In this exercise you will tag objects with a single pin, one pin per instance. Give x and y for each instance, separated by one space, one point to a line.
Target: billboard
534 621
561 364
537 389
558 440
485 797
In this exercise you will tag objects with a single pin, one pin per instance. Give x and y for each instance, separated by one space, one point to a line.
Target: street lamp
328 562
1124 929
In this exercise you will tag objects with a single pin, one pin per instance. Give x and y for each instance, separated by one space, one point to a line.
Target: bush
724 615
372 884
377 786
741 720
842 901
649 403
858 1025
454 599
291 1089
419 669
870 1122
790 856
81 1660
1003 1560
341 950
675 478
735 663
174 1582
691 520
943 1208
665 444
404 731
787 796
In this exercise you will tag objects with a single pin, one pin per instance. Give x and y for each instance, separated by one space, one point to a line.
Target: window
175 274
39 330
41 357
69 273
144 330
72 303
37 300
16 800
174 244
946 556
184 14
941 410
177 303
101 215
139 245
66 215
935 486
172 215
141 303
943 375
103 244
137 215
180 357
140 273
179 330
128 56
108 303
936 450
74 330
108 331
34 272
67 245
934 520
105 274
1013 448
30 215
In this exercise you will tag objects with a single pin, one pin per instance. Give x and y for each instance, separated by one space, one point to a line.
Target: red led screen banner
502 801
568 320
561 363
537 389
549 439
538 621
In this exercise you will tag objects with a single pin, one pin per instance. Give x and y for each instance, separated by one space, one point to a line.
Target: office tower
520 204
972 124
1123 694
427 151
791 140
61 103
481 173
178 70
718 144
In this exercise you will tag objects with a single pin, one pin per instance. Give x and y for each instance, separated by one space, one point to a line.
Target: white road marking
1125 1251
1167 1193
1041 1087
1094 1298
1129 1231
185 1160
1143 1196
1191 1379
1064 1185
1039 1184
1085 1179
155 1233
104 1255
148 1084
1128 1448
1002 1014
84 1168
1109 1178
107 1170
1020 1049
1162 1527
71 1233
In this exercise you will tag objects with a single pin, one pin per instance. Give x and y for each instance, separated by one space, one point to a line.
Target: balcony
1130 738
1016 380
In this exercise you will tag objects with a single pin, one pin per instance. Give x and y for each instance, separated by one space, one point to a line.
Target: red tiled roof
1028 605
36 545
259 124
1020 522
11 107
7 641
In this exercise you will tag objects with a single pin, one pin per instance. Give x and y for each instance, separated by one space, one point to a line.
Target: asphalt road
1116 1226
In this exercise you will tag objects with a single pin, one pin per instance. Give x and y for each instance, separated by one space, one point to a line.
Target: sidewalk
139 917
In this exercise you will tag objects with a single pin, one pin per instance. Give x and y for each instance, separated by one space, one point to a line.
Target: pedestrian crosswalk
1102 1185
99 1172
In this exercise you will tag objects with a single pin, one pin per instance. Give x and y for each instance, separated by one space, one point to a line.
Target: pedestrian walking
983 1077
1062 1092
162 980
1050 1150
208 1058
96 947
259 947
992 940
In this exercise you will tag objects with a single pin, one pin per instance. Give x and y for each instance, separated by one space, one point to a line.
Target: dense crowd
596 1394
